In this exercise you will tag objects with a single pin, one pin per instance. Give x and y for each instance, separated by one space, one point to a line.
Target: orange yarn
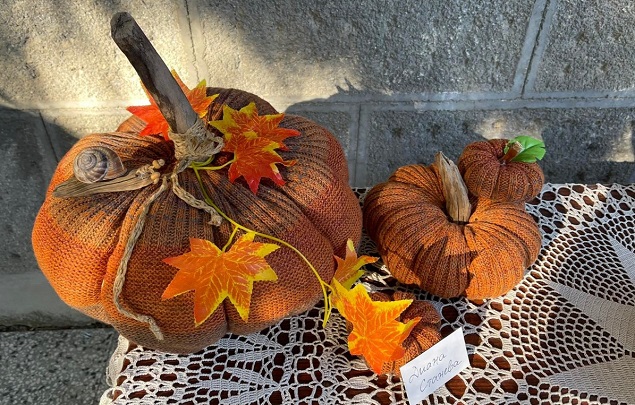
486 176
423 336
79 242
483 258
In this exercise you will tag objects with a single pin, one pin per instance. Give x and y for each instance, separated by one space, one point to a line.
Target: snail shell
97 163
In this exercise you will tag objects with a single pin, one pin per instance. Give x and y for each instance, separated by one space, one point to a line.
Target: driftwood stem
457 202
154 74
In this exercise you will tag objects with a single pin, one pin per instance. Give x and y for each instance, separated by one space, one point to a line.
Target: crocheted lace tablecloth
565 334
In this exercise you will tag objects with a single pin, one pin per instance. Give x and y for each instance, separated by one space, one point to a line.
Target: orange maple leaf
253 140
236 122
155 121
255 158
376 335
349 269
215 275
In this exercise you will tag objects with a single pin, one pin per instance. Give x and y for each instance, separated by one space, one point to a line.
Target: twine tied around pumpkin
122 269
196 144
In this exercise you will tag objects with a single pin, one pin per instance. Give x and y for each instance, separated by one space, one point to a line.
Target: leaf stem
324 286
213 167
231 238
205 163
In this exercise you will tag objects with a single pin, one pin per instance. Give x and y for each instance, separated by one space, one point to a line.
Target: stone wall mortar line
402 97
57 112
534 28
185 29
461 105
542 41
45 144
198 42
79 105
582 94
341 104
515 104
361 167
586 99
321 106
353 146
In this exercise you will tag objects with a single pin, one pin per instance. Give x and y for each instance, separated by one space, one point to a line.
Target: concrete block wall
394 81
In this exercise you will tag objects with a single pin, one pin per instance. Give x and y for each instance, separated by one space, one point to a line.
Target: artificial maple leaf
253 139
215 275
349 269
255 158
236 122
376 335
154 119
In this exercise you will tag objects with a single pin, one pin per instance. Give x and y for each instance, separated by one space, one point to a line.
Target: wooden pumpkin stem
154 74
514 149
457 202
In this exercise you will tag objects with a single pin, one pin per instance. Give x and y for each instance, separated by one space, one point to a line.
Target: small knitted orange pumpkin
483 257
423 336
489 172
81 243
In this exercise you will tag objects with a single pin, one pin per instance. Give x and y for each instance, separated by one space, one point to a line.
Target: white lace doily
565 334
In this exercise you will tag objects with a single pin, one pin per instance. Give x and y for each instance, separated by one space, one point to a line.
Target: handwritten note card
434 367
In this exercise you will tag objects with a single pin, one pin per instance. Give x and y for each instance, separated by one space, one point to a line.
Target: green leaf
532 149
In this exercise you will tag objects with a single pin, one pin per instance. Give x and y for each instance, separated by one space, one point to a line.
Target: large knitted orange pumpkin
481 258
82 243
490 173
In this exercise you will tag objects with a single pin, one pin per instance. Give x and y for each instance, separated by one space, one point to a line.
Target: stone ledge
28 299
61 367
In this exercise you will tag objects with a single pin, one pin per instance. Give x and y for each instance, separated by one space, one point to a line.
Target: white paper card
434 367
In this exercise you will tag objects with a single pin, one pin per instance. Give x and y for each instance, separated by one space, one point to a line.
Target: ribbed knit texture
422 337
484 258
485 176
79 242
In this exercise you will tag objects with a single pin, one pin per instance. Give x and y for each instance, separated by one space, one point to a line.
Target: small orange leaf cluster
376 334
252 138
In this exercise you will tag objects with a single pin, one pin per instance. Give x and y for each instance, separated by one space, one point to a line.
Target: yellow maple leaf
349 269
215 275
236 122
376 335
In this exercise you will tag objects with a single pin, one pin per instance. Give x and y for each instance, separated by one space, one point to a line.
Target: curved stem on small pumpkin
323 285
514 148
457 202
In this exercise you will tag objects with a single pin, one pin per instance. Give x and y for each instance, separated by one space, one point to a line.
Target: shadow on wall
27 161
583 145
307 47
84 68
